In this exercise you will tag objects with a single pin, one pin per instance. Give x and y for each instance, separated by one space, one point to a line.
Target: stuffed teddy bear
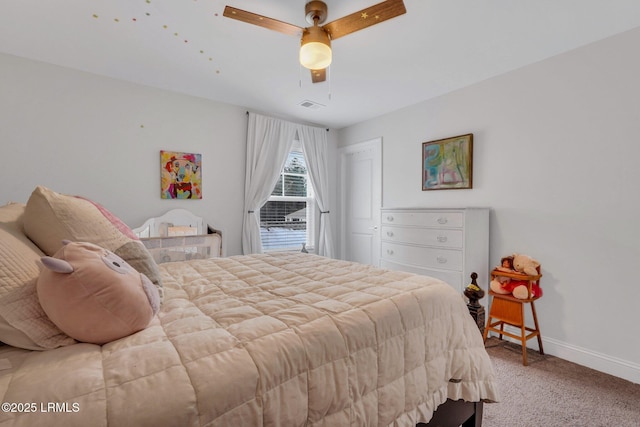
93 295
516 263
525 264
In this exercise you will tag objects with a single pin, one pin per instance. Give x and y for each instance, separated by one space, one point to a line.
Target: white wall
78 133
556 149
82 134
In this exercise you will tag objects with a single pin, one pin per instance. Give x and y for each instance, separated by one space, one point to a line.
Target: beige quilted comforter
264 340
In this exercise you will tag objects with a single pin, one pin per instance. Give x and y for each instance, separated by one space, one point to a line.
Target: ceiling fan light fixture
315 49
315 45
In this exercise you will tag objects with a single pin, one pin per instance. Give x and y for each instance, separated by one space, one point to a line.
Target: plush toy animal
93 295
516 263
525 264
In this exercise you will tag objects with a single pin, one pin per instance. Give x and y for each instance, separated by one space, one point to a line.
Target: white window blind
287 219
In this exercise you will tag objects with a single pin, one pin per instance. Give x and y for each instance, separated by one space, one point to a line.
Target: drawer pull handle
442 220
442 239
390 218
390 233
442 260
390 251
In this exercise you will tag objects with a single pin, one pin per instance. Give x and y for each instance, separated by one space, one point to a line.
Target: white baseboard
591 359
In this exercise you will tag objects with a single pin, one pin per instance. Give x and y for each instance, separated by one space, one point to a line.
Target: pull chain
329 78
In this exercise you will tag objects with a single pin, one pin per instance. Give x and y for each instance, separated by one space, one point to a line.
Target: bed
281 339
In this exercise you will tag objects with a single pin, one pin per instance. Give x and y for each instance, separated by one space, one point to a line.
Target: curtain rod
327 129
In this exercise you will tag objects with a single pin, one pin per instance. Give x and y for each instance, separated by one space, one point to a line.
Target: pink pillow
93 295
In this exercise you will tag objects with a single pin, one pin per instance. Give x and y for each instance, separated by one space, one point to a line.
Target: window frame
309 199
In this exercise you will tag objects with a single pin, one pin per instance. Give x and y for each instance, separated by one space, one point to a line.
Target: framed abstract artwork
180 175
447 164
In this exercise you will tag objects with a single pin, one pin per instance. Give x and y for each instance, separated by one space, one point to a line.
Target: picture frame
447 164
180 175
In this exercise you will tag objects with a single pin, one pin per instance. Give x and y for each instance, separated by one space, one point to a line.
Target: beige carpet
552 392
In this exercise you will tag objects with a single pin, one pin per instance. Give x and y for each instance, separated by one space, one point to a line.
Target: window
287 219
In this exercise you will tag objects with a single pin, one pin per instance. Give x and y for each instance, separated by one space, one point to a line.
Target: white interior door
360 201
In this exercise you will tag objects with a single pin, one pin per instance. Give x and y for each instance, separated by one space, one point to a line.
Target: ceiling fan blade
318 76
262 21
365 18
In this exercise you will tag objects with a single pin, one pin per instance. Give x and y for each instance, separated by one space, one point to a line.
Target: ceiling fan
315 43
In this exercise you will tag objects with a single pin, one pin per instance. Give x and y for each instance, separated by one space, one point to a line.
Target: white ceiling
187 46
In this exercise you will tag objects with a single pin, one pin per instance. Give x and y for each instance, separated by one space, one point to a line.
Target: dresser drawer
451 277
446 243
445 259
446 238
424 219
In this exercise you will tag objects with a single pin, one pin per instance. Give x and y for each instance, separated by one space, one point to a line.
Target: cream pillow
52 217
23 323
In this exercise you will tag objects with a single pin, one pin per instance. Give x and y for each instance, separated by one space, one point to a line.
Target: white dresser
448 244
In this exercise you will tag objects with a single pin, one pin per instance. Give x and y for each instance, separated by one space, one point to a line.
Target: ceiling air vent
310 104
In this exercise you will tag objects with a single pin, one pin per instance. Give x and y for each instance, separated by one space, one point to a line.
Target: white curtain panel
314 147
269 141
